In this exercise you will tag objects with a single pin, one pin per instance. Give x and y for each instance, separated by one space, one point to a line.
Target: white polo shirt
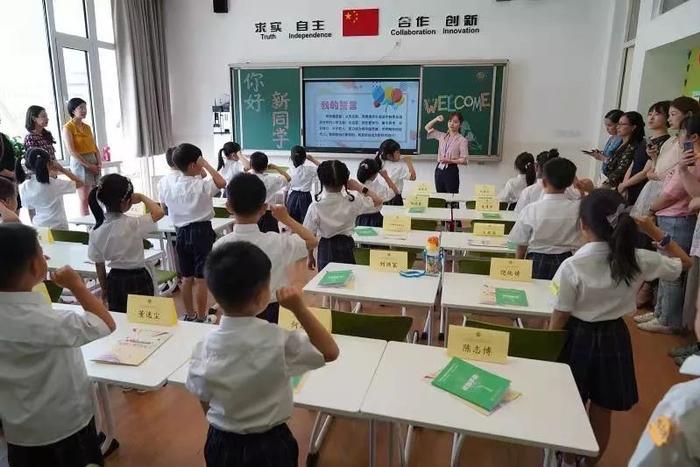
398 172
46 199
512 189
535 192
334 214
681 405
188 199
273 184
281 249
303 177
548 226
119 240
584 287
242 369
230 169
45 394
379 186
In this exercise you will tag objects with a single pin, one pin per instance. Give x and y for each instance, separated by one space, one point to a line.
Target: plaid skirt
397 200
298 203
338 249
122 282
600 357
370 220
268 223
544 266
275 447
77 450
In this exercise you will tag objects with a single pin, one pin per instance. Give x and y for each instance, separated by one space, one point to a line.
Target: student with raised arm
397 167
231 161
260 165
118 239
303 176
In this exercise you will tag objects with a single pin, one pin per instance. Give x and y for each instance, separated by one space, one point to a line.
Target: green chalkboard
475 92
268 108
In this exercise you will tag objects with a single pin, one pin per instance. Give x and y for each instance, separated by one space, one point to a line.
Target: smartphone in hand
688 146
585 151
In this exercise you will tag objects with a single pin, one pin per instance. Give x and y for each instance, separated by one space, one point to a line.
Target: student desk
462 214
414 239
429 214
366 285
463 292
549 414
151 374
459 242
338 388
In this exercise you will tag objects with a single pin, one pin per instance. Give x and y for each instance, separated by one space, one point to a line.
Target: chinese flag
364 22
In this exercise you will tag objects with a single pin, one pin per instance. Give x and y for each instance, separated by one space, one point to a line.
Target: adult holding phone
85 160
453 151
610 120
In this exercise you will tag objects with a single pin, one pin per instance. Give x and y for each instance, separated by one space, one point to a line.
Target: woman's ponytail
95 207
38 162
20 174
220 164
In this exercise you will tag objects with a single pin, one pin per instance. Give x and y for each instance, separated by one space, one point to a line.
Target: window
82 48
628 51
667 5
632 20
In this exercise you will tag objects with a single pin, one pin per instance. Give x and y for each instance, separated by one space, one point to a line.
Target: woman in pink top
453 150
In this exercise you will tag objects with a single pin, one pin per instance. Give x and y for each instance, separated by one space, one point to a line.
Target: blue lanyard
412 273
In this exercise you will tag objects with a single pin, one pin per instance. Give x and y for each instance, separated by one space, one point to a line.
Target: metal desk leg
550 458
408 444
457 441
110 443
390 449
430 326
372 460
447 324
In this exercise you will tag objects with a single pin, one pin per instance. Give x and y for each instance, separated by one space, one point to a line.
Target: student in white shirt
547 230
190 208
680 409
8 201
332 217
118 239
594 289
241 371
527 175
302 180
45 395
399 168
367 174
43 193
246 201
231 161
273 184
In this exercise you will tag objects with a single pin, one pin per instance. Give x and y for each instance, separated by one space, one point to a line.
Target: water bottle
433 257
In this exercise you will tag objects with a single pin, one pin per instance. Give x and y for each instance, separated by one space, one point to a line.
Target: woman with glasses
630 128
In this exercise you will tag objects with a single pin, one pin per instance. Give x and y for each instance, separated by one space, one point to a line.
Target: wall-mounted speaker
220 6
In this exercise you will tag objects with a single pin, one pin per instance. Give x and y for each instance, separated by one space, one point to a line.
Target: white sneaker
655 326
211 319
644 317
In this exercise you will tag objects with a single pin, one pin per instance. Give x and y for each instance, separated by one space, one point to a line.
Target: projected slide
356 116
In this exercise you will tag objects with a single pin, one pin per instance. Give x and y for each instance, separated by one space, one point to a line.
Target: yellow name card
396 223
388 260
288 321
511 269
417 201
151 310
44 234
477 344
485 190
487 204
489 230
41 288
422 189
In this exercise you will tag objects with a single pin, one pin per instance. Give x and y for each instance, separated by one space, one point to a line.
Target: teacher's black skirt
298 203
447 179
600 357
338 249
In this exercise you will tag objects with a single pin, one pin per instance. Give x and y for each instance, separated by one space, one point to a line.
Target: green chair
471 265
221 213
72 236
536 344
163 276
471 204
425 225
54 290
436 203
384 327
361 256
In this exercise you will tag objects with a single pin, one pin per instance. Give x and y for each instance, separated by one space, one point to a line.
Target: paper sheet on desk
135 348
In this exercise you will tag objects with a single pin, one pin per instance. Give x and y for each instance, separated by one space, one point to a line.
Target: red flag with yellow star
363 22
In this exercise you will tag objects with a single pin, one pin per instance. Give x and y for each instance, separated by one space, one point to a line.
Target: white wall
557 49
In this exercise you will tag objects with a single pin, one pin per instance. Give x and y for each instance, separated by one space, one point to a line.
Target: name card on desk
419 202
487 204
511 269
388 260
44 234
41 288
396 223
288 321
422 189
478 344
485 190
151 310
489 230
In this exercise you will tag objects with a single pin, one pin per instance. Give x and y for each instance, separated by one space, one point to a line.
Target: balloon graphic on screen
389 96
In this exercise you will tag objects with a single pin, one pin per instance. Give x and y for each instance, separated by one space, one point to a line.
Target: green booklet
516 297
490 215
365 231
471 383
416 209
335 278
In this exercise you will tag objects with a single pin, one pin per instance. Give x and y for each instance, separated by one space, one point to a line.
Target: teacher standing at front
453 150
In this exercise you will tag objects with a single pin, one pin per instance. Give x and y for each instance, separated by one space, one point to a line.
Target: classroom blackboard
268 101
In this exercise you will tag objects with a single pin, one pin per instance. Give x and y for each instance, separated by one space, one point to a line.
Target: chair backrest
54 291
72 236
481 266
221 213
385 327
470 204
436 203
537 344
422 224
361 256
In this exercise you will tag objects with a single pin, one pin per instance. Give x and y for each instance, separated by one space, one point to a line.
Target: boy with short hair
259 165
45 395
241 371
189 201
246 200
547 230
